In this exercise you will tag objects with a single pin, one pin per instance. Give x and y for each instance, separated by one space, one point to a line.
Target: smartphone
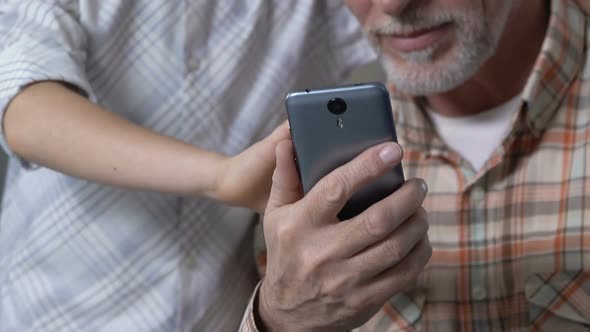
332 126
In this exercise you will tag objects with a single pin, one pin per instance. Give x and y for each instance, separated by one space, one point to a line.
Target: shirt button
478 292
193 63
530 288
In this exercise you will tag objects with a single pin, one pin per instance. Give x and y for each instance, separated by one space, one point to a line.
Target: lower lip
415 42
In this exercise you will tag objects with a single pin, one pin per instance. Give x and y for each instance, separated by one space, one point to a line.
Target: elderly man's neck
505 74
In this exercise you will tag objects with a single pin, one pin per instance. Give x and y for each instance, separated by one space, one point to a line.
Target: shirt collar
557 66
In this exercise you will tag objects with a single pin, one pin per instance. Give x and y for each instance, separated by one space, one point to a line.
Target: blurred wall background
371 72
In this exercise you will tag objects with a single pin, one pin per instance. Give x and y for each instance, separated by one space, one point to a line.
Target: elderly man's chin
439 68
432 71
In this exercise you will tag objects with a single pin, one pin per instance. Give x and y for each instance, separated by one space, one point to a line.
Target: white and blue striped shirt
78 256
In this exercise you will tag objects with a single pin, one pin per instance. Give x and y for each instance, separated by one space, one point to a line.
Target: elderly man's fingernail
423 186
390 153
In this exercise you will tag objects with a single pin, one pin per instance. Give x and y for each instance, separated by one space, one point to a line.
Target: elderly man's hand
323 274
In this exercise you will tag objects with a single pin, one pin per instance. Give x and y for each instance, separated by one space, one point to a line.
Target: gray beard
475 44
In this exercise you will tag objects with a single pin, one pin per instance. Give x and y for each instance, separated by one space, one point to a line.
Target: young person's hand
245 179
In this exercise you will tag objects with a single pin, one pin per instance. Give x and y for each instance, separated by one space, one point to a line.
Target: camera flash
340 123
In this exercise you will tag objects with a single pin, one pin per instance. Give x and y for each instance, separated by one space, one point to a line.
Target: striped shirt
511 241
78 256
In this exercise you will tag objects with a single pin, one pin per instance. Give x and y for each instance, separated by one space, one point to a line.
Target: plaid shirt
512 240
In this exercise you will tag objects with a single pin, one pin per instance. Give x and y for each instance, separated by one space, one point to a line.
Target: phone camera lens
337 106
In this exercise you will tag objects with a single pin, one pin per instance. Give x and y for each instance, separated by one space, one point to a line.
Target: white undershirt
475 137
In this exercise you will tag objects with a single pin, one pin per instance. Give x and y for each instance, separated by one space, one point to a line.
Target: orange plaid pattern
512 240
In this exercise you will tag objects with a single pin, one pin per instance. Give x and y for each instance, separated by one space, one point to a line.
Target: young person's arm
50 125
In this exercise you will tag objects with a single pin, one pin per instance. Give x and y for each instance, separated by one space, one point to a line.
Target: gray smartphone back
324 140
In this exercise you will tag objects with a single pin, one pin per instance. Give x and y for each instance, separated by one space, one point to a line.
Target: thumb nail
390 153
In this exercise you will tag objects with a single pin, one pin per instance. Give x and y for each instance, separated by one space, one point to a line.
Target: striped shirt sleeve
41 41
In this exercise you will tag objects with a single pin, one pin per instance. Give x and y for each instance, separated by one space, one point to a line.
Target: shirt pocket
559 300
